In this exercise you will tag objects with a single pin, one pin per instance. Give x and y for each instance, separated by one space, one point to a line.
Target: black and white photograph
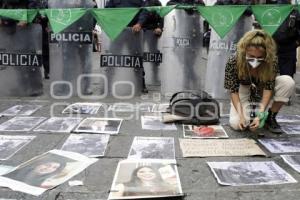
291 129
293 161
10 144
152 148
204 131
249 173
82 108
22 124
23 110
90 145
163 107
127 107
99 125
45 171
4 169
288 118
152 122
59 124
145 179
282 145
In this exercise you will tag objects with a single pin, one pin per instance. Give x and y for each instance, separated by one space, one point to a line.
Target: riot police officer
190 2
287 38
154 21
43 21
12 4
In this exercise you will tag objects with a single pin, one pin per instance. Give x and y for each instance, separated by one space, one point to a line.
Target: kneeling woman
251 77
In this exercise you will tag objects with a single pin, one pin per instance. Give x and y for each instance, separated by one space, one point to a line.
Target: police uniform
153 20
191 2
43 4
286 38
12 4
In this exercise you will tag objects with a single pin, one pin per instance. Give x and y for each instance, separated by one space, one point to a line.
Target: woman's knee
285 82
284 88
234 124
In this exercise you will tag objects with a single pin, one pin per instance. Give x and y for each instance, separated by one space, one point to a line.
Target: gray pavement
197 180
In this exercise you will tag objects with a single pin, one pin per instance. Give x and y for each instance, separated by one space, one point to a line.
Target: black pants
287 65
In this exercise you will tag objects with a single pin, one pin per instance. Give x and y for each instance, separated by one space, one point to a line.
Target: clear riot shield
152 58
183 66
21 61
121 63
219 52
71 52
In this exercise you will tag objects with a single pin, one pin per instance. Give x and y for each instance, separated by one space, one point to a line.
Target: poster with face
82 108
249 173
145 179
23 110
282 145
293 161
21 123
90 145
9 145
202 131
291 129
288 118
99 125
152 148
45 171
151 122
58 124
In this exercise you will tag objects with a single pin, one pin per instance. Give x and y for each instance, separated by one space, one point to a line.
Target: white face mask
254 62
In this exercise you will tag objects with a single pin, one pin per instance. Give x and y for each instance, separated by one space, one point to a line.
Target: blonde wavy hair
259 39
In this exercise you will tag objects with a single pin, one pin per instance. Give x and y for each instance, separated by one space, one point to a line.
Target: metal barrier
183 66
21 60
71 52
122 63
219 52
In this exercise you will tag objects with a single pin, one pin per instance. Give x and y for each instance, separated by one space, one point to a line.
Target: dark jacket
153 20
12 4
288 34
139 18
191 2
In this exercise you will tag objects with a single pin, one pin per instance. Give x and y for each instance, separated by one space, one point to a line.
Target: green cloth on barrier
43 13
16 14
262 118
26 15
161 11
60 19
222 18
270 17
31 14
114 20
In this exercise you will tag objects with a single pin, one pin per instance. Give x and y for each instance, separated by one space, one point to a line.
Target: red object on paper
204 130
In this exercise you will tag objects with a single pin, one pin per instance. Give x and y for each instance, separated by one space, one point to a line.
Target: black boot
271 123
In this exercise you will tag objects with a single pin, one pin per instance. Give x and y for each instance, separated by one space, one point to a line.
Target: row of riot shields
176 61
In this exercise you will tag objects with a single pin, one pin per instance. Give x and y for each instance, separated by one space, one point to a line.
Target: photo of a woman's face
146 174
47 168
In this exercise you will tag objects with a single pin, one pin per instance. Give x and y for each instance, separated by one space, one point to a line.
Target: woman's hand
242 123
255 124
